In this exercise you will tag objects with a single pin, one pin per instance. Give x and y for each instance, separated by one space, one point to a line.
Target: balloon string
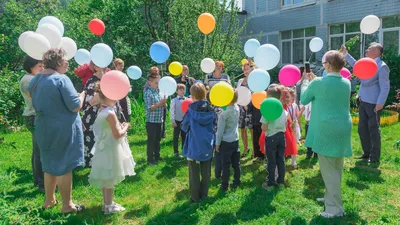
310 56
101 39
205 43
237 76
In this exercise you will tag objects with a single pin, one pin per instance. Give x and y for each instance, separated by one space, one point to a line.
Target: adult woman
329 132
245 118
58 128
217 76
33 67
90 109
125 103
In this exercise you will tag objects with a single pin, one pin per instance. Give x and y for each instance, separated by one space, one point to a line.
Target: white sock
294 160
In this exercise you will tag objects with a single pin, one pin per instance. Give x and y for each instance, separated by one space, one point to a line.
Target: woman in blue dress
58 128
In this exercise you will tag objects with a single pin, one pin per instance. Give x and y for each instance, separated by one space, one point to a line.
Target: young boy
275 144
227 143
177 116
154 118
198 124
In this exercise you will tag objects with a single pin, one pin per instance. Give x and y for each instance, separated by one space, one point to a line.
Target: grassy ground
159 195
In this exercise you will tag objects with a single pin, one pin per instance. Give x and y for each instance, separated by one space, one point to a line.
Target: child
307 114
227 143
275 144
112 159
294 113
291 143
198 124
177 116
154 118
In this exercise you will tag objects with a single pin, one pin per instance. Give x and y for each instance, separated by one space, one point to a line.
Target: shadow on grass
366 175
172 164
23 176
135 213
223 218
350 217
314 187
307 163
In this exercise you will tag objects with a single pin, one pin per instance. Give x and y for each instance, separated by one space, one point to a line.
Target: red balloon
365 68
97 27
185 104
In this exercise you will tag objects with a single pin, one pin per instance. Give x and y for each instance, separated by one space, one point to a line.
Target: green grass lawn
159 195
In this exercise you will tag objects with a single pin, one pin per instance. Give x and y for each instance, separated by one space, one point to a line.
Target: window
294 45
291 2
345 32
388 35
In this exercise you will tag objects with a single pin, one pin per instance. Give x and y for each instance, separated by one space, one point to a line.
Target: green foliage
392 59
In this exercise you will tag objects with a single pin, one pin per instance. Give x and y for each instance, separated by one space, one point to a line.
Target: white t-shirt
275 126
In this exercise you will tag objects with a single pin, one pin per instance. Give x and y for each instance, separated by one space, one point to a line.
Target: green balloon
271 109
223 108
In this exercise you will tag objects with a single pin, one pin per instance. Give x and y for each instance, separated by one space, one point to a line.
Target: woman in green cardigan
329 133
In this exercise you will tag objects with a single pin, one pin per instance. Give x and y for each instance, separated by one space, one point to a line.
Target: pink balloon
289 75
345 73
115 85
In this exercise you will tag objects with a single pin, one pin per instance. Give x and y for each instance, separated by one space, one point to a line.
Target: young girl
112 159
291 143
294 114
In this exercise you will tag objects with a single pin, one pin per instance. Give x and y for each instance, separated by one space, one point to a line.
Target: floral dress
88 118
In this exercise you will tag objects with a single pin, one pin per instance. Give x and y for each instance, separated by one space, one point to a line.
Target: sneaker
330 215
266 187
320 199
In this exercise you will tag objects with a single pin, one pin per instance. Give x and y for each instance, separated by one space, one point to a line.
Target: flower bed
388 117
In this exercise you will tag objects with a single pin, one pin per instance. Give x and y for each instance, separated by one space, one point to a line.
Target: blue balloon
101 55
251 47
324 73
134 72
258 80
159 52
82 56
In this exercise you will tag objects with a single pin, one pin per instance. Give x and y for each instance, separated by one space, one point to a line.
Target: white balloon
54 21
167 86
21 39
370 24
35 45
82 56
244 96
316 44
101 55
207 65
51 33
267 57
69 46
251 46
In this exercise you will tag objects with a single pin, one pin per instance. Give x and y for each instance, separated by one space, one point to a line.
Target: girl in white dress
112 157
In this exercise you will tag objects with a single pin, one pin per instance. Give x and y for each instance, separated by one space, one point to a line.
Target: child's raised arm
117 131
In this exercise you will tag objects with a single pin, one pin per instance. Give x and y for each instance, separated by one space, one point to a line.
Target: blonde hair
180 87
247 64
198 91
117 62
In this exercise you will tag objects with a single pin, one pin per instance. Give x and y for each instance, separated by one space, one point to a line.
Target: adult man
372 96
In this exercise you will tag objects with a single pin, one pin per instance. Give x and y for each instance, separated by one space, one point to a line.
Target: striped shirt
211 80
152 97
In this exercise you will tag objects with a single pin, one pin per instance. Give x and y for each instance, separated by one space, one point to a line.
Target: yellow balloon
244 61
175 68
221 94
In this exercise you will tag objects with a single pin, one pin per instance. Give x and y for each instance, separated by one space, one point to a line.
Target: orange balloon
206 23
257 98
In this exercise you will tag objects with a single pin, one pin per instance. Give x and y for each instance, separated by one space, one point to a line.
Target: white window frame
292 5
362 48
291 45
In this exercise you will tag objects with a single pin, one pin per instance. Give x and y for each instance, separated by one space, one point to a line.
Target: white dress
112 158
296 129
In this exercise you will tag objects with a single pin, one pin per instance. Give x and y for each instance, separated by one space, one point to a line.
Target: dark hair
302 68
29 63
180 87
274 92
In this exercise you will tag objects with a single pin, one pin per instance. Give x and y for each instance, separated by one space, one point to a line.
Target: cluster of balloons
49 34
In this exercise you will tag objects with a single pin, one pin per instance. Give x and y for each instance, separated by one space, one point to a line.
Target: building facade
291 24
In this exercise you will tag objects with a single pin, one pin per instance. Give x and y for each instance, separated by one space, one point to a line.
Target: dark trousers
256 137
369 130
178 132
38 175
275 146
163 124
309 150
153 141
218 164
230 155
199 177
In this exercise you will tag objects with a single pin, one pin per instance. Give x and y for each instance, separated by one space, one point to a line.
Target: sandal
51 206
244 154
78 208
113 203
113 208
